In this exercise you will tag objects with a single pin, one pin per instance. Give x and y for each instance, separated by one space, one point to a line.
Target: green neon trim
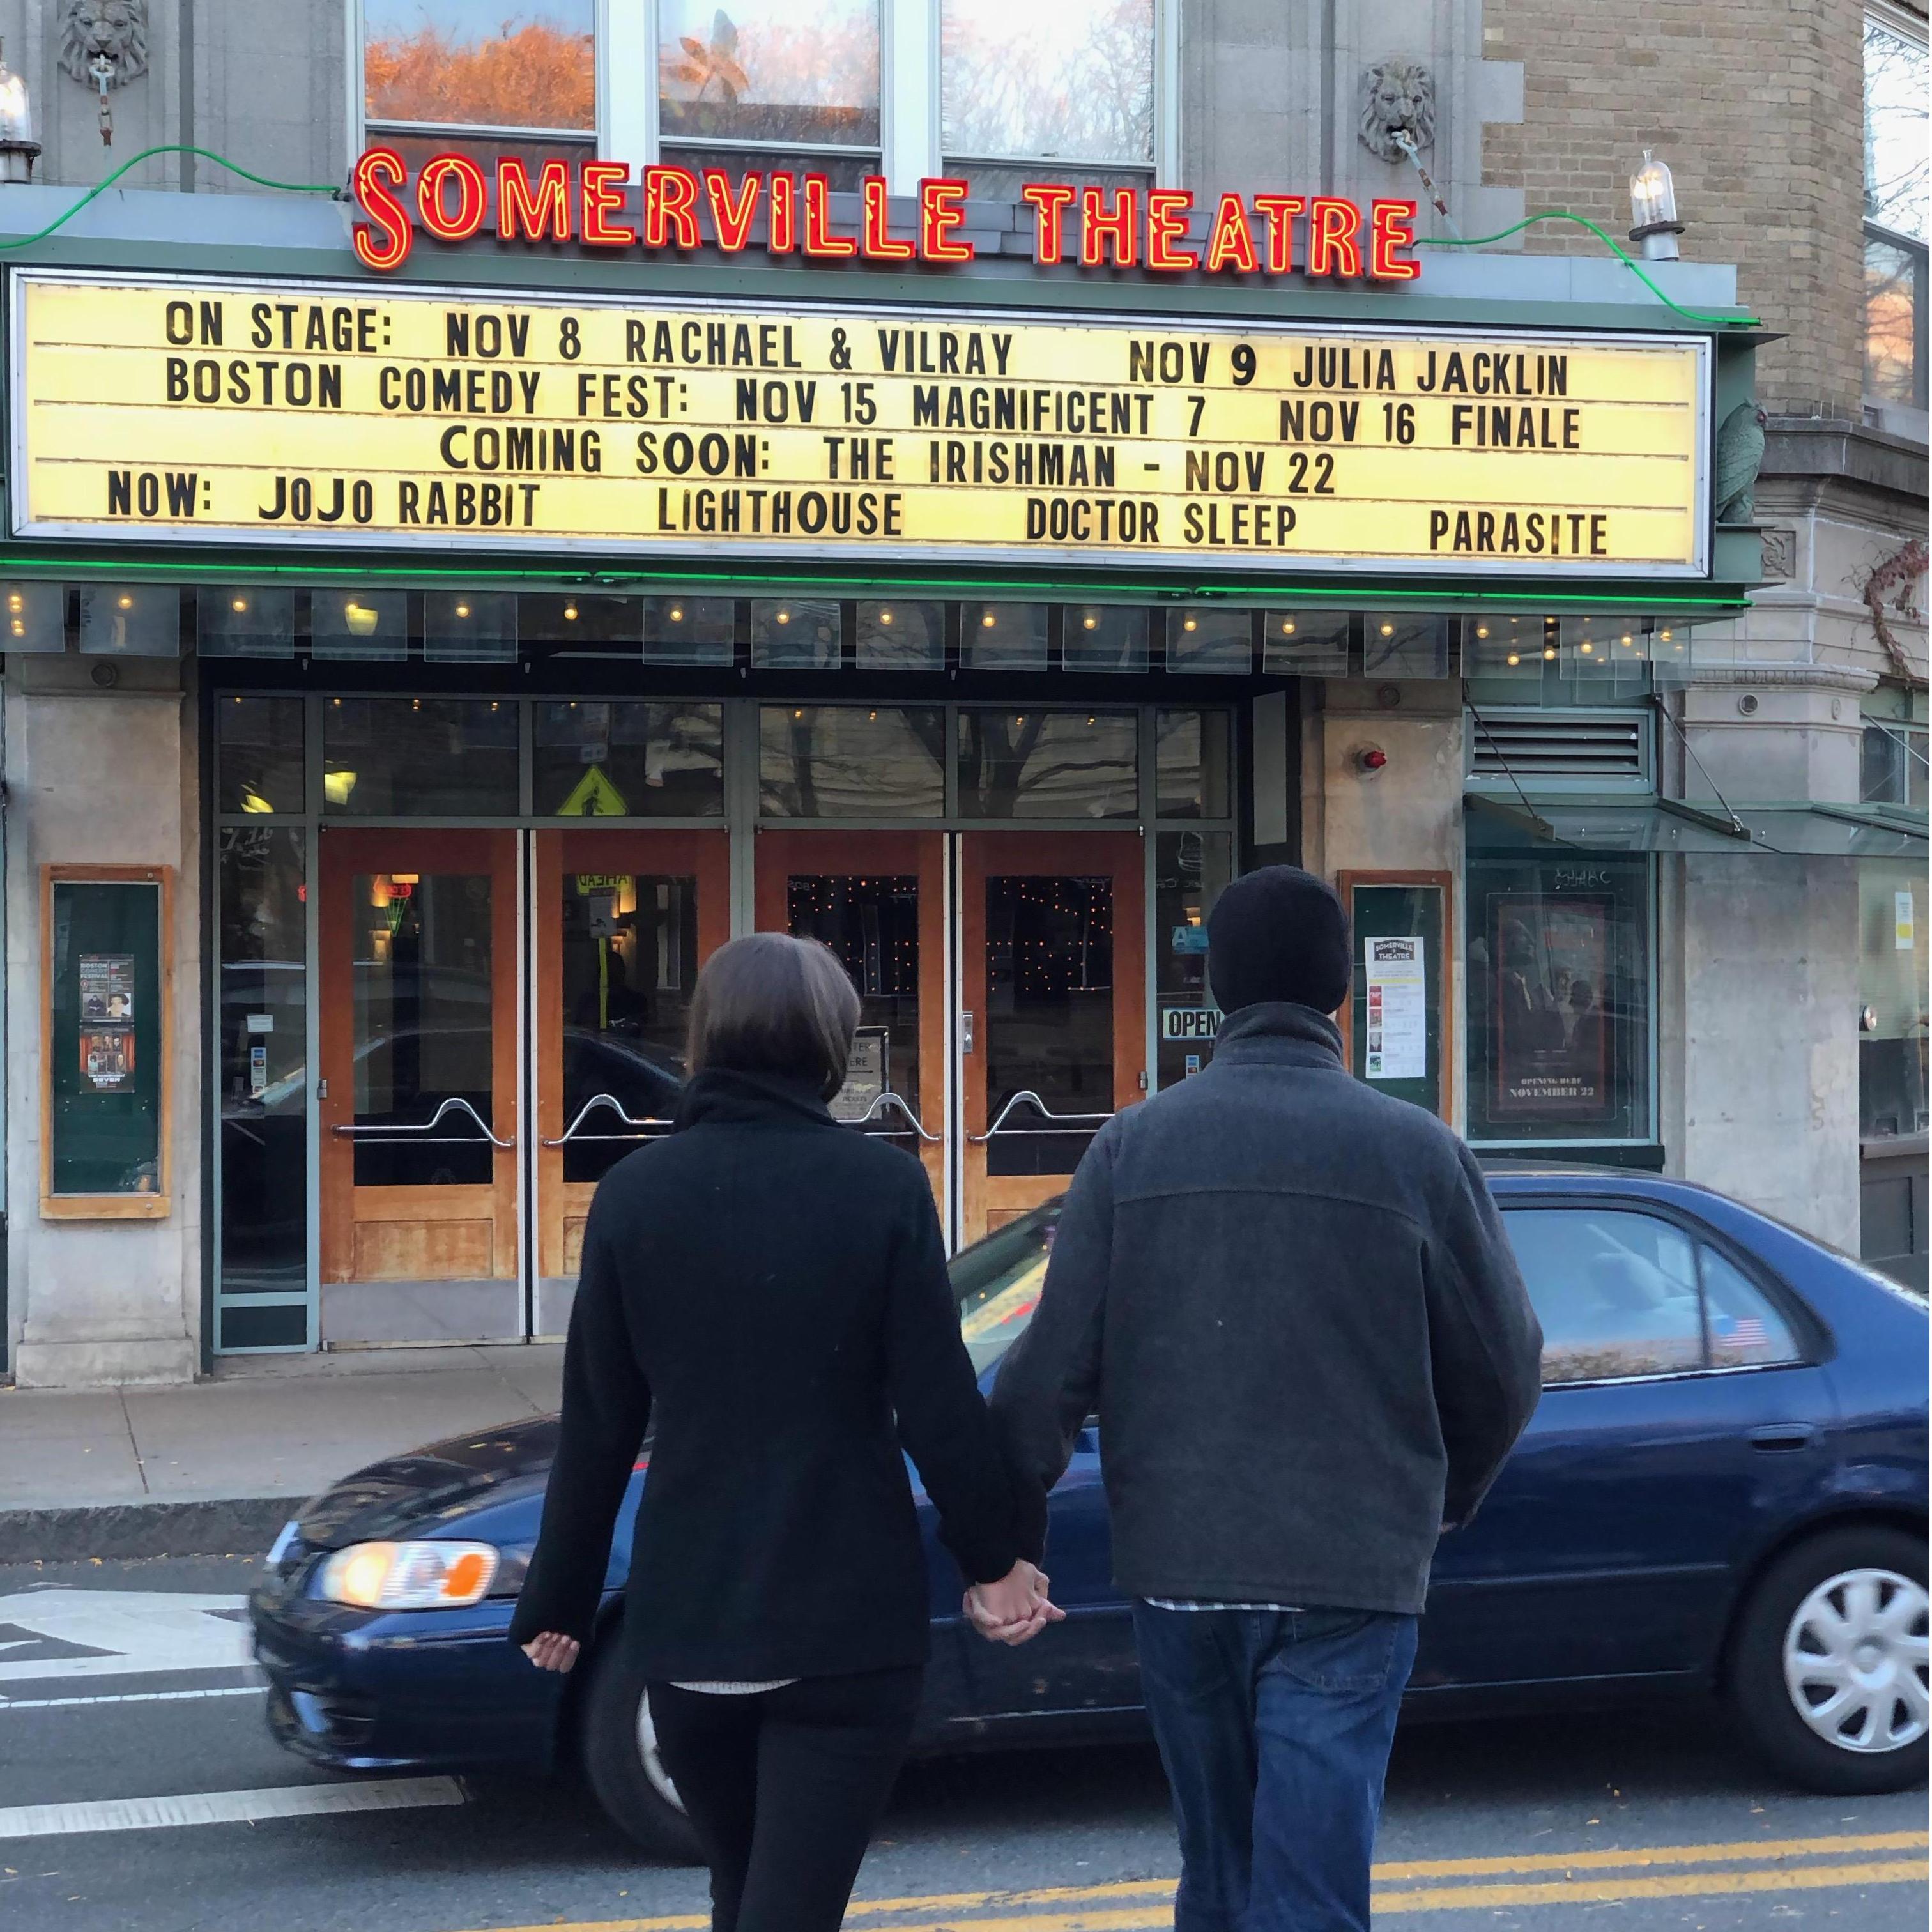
148 154
1610 242
321 575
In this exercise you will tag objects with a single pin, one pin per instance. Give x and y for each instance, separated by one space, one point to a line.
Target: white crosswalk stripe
226 1807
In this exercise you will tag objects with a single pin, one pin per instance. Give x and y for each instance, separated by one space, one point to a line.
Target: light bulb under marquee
1388 630
127 603
463 610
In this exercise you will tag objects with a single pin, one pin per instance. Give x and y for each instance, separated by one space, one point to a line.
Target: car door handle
1782 1435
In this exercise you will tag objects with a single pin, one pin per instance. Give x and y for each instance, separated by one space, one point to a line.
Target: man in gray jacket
1290 1301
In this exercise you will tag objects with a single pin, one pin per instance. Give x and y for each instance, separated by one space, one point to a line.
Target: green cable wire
1616 248
147 153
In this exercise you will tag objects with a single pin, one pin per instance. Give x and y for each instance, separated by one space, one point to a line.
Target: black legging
784 1788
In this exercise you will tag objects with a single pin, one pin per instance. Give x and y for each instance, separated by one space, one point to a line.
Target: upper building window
1065 91
1898 223
431 68
770 76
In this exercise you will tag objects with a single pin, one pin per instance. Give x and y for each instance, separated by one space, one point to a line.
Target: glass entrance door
623 919
878 900
417 1096
1052 1032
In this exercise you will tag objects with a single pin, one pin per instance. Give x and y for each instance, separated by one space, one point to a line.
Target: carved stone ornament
1779 548
114 32
1397 98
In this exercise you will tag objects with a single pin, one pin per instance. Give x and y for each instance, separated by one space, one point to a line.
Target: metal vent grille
1607 746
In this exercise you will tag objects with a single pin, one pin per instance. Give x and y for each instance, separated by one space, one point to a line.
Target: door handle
1777 1437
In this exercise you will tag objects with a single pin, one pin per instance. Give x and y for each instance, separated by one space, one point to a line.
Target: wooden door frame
344 851
1122 856
705 855
778 853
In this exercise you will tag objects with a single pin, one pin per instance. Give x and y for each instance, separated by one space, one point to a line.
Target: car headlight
408 1576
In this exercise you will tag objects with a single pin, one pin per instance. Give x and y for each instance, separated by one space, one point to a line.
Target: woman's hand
1015 1609
550 1650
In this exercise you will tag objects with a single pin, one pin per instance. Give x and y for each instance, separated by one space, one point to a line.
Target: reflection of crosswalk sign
594 797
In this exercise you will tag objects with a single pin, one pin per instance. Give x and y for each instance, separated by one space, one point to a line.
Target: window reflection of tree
1002 763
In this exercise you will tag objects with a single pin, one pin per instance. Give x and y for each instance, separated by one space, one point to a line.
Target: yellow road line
1622 1890
1105 1907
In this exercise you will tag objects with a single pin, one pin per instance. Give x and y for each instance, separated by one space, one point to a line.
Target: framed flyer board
107 969
1396 1029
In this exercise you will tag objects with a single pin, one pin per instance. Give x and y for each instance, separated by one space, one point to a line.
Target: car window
1746 1331
1616 1291
997 1283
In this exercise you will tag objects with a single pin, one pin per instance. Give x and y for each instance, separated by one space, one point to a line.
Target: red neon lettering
1099 230
377 170
1333 222
604 183
1392 226
942 208
819 238
1230 242
781 230
731 222
670 202
1167 211
536 215
437 172
1052 199
880 241
1279 211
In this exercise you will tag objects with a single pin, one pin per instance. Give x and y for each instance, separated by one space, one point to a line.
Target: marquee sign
311 414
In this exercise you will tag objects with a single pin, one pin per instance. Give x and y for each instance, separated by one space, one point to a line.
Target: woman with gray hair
766 1290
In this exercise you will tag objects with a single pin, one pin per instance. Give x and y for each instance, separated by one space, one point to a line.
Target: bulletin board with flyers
1396 1027
106 969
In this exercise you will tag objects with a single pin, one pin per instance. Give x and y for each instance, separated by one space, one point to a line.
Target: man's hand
550 1650
1015 1609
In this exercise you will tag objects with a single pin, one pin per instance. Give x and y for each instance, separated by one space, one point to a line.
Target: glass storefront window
1191 870
1069 82
1193 749
263 1076
419 758
477 63
1048 764
599 759
259 755
1895 1022
765 72
1106 637
849 761
897 636
794 634
1559 998
871 922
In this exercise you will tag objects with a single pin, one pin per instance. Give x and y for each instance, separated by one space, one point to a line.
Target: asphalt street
140 1793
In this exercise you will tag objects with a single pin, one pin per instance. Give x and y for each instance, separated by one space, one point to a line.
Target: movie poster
1551 968
107 1060
107 987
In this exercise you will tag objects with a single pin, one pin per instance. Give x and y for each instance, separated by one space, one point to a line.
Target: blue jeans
1274 1728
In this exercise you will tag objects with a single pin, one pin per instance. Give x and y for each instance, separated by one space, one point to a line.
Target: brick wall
1757 105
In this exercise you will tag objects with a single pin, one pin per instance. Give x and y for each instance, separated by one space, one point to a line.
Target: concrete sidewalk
220 1465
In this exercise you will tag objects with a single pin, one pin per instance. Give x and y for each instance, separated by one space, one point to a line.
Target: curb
245 1526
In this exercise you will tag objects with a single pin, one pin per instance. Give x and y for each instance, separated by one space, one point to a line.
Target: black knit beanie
1279 933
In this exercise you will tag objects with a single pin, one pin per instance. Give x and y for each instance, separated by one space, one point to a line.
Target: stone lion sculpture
1397 96
117 29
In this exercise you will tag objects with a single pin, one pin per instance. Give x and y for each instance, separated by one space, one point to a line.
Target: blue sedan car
1724 1493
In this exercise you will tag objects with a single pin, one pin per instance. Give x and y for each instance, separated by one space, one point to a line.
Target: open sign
1189 1022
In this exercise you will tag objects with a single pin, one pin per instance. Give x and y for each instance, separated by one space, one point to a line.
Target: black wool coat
765 1290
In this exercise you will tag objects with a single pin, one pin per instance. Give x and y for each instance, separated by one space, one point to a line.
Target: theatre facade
435 623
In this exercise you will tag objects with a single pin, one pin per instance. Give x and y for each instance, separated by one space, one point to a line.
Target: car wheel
1828 1672
621 1759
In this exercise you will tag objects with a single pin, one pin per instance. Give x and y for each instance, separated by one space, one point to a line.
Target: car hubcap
1856 1662
651 1759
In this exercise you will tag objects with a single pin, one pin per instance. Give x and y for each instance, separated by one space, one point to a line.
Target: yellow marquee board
314 415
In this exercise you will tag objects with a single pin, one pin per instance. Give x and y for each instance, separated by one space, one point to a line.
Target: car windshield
997 1283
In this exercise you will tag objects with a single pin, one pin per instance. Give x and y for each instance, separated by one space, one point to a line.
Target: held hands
1016 1609
550 1651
